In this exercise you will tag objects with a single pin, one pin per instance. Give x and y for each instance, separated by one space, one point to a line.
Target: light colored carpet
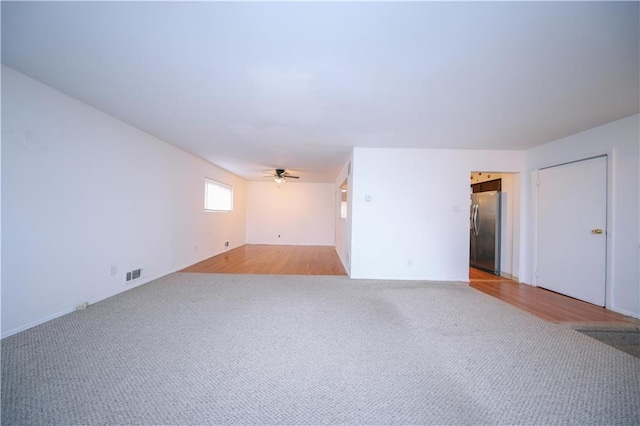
248 349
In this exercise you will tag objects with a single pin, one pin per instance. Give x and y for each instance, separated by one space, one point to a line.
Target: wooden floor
322 260
543 303
280 260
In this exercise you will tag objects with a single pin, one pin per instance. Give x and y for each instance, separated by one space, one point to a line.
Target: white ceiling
256 86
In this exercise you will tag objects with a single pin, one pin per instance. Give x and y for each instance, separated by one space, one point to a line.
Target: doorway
508 185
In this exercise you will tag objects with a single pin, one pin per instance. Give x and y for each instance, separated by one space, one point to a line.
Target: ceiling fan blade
292 177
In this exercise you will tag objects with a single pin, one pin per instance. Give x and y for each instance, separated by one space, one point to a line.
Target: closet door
572 237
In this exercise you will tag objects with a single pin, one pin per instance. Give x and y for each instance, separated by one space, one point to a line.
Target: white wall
196 234
294 213
83 191
510 224
416 224
619 140
1 185
343 226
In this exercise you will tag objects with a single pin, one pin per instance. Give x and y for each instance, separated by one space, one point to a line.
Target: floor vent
133 275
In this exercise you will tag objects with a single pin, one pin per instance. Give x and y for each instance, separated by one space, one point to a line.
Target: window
217 196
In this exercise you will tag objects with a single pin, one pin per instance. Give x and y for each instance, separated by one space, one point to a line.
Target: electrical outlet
226 243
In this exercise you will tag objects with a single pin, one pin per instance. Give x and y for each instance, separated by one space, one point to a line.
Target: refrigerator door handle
475 220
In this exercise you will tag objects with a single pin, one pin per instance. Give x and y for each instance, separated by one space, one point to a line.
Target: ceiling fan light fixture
281 176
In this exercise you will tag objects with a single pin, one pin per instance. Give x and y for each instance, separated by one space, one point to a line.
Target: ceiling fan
281 176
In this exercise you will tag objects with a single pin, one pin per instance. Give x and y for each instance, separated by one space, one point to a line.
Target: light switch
367 198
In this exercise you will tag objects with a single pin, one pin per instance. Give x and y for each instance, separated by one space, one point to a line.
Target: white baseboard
625 312
37 322
66 311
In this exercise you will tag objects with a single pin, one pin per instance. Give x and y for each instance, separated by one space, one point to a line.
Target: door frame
610 197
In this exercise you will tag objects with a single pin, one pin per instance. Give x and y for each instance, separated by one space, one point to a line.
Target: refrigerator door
472 229
487 232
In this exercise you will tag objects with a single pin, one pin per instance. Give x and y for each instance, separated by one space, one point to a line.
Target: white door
572 219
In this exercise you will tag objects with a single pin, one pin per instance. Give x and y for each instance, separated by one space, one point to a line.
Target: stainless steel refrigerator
485 231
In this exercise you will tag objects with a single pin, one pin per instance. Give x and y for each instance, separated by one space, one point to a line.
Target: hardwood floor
543 303
267 259
480 275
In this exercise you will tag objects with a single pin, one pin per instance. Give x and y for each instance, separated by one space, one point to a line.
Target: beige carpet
248 349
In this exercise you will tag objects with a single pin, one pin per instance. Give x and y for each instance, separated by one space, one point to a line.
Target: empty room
320 213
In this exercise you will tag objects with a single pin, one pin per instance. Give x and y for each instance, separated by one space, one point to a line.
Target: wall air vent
133 275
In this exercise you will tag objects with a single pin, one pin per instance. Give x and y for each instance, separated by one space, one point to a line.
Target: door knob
596 231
